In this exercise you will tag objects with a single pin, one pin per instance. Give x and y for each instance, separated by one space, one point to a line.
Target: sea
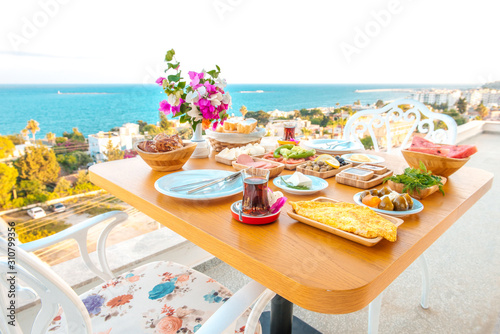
94 108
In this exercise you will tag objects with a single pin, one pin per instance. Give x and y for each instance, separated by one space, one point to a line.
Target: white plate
323 146
375 159
417 207
218 190
318 184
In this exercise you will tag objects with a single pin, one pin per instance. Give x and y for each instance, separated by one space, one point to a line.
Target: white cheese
299 179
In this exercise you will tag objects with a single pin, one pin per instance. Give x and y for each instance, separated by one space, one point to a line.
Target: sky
257 41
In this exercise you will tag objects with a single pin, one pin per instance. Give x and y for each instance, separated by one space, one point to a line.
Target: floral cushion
159 298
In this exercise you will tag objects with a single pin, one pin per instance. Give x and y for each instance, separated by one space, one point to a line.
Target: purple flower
159 81
165 107
93 303
176 109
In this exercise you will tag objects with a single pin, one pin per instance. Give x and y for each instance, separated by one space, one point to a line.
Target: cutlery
189 185
227 178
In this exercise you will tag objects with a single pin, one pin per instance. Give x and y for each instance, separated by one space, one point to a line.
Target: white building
124 139
278 113
438 96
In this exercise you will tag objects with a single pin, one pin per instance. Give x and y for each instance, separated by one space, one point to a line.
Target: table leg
281 316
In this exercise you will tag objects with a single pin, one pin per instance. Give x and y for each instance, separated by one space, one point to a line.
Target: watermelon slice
420 144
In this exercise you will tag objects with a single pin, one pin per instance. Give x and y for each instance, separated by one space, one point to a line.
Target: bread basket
167 161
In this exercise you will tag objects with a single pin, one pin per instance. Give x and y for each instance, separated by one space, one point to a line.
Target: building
437 96
124 139
278 114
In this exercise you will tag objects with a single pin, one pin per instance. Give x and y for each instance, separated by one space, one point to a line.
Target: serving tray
343 234
273 172
374 181
324 175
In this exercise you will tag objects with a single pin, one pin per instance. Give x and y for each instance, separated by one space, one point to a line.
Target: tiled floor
465 272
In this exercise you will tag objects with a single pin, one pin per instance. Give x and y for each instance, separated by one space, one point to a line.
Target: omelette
347 217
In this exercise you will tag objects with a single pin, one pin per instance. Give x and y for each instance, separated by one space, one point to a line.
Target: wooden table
307 266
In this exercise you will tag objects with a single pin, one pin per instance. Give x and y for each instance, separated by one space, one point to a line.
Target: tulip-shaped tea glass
255 201
289 131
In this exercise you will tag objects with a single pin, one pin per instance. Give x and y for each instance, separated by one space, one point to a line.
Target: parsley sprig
417 179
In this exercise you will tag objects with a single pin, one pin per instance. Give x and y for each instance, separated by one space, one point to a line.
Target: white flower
202 91
172 99
215 99
192 97
195 113
221 83
226 99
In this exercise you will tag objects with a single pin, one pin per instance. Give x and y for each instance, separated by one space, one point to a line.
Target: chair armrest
232 309
79 233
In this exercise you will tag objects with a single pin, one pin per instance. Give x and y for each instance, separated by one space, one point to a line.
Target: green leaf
170 55
183 108
212 73
218 68
181 84
174 78
172 65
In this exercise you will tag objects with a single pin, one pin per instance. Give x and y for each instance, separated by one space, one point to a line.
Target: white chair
417 118
159 297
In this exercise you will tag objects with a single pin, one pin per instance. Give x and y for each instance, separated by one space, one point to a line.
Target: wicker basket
168 161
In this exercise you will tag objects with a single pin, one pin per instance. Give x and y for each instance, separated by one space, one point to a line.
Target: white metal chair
417 118
156 297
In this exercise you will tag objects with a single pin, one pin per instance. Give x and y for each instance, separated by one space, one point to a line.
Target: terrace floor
464 265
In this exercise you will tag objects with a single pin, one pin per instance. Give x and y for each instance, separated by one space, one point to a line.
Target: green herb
417 179
294 187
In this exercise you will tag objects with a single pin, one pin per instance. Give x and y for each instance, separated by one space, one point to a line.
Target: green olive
373 192
400 203
409 200
386 204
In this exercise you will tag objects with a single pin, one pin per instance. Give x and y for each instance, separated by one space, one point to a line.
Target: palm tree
243 111
342 122
51 137
33 127
24 133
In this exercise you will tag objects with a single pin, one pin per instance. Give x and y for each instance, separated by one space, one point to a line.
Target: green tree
461 105
164 123
243 111
482 110
62 187
113 152
152 129
261 116
38 162
142 124
367 142
73 160
82 178
8 177
33 127
324 121
7 147
75 135
32 187
51 137
16 139
379 104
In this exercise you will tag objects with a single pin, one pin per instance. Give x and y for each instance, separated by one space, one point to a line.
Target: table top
311 268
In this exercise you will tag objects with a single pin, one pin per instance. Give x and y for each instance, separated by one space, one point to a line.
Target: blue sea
94 108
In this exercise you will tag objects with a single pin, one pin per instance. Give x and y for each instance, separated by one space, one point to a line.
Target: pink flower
195 79
277 205
168 325
165 107
159 81
176 109
183 278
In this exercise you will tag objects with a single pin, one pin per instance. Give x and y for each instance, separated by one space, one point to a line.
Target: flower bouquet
202 101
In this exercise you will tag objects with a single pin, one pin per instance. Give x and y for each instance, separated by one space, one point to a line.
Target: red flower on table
120 300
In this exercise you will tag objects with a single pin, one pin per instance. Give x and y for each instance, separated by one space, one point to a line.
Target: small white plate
417 207
318 184
332 146
375 159
218 190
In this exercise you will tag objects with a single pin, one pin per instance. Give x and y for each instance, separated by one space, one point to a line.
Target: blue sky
258 41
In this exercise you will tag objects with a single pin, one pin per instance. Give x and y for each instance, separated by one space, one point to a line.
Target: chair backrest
391 126
18 268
